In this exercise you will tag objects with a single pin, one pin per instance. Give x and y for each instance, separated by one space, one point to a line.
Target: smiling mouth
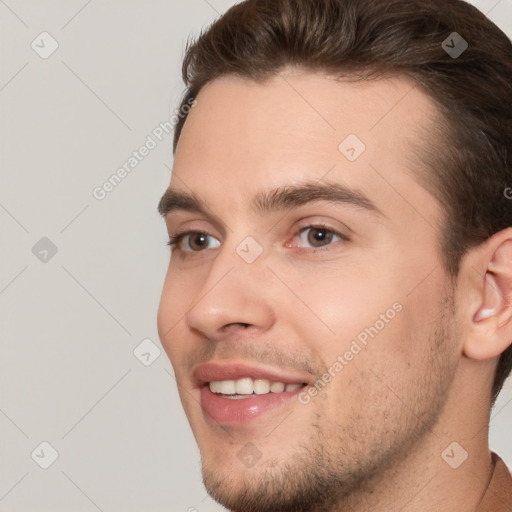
247 387
234 393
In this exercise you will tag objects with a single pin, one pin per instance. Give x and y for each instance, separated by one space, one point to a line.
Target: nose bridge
233 291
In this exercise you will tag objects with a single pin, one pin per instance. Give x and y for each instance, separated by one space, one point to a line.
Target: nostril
234 325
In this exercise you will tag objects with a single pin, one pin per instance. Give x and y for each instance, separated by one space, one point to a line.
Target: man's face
306 331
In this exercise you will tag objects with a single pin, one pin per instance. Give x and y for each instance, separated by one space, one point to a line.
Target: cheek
369 319
339 305
174 302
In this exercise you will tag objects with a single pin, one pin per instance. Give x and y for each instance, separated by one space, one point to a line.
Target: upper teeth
248 386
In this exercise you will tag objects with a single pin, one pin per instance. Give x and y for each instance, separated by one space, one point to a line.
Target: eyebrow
283 198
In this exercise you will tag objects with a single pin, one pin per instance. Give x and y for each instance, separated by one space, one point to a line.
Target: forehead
247 137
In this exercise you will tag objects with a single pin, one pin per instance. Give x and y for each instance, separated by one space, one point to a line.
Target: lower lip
229 411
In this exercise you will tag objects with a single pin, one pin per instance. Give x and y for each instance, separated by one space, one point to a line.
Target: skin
372 439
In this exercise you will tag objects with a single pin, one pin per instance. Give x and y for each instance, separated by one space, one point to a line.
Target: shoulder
498 497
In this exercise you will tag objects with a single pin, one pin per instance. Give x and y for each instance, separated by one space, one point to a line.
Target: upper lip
224 370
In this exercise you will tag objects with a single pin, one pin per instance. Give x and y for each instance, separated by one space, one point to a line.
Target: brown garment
498 497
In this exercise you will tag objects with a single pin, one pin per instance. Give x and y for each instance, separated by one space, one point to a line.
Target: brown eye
194 241
198 241
318 237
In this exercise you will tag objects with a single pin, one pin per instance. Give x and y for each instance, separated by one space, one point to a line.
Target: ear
490 332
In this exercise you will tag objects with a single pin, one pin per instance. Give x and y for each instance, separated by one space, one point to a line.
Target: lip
229 412
216 370
238 412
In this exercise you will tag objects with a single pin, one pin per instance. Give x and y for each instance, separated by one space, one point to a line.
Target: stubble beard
326 474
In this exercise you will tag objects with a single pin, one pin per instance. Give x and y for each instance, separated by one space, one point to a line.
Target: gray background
69 324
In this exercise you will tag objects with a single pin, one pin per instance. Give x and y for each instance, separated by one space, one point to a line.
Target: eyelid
327 220
321 222
188 227
184 222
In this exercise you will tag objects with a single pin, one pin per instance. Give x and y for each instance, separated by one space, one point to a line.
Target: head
339 198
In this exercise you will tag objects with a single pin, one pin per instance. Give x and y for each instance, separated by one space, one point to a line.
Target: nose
235 296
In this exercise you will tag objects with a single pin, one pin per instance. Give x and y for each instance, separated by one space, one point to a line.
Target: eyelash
176 239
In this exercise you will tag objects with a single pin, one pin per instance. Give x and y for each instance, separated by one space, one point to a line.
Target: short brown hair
470 163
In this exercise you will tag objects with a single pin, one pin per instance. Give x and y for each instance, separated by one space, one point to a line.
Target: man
337 304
